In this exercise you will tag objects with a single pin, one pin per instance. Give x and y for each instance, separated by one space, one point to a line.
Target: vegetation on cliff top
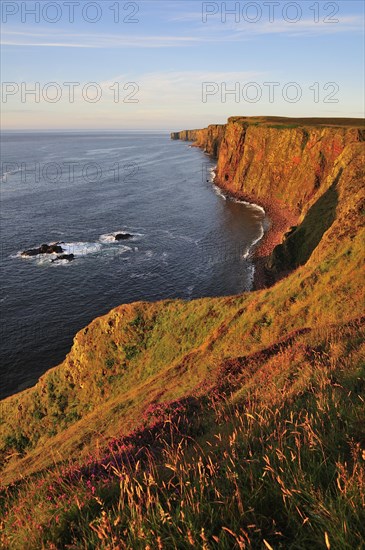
218 423
281 121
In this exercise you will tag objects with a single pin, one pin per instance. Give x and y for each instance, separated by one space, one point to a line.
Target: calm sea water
81 188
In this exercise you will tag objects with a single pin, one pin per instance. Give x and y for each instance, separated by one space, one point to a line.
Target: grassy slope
237 468
290 122
153 353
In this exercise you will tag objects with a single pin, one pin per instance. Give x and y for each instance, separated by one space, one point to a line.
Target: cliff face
276 159
287 166
208 138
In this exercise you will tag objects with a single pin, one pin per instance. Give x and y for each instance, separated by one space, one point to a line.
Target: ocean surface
188 239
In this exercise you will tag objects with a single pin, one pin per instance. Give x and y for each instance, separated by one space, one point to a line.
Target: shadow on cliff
301 241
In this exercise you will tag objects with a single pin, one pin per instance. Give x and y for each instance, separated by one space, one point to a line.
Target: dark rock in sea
51 248
122 236
31 252
68 257
44 249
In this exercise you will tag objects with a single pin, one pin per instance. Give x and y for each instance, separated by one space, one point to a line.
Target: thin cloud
310 28
85 40
305 26
214 32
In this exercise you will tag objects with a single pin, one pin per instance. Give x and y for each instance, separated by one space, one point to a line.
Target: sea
80 189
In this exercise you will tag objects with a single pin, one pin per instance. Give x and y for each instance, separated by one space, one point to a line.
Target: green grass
230 470
283 126
290 122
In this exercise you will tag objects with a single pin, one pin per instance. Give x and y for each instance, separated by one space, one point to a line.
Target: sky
176 64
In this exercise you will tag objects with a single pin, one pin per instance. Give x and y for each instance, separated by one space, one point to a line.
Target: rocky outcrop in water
122 236
68 257
44 249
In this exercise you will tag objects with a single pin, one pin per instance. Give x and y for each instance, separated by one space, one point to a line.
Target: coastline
312 148
278 222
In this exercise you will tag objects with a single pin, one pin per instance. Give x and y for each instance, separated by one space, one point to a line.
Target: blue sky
172 61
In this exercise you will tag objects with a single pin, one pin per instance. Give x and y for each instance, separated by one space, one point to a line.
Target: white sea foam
80 248
250 205
212 173
60 263
250 247
246 254
189 291
251 274
219 192
225 196
261 214
45 259
115 250
5 175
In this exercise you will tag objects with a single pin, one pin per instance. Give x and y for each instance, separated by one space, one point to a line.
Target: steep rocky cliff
208 138
285 165
274 158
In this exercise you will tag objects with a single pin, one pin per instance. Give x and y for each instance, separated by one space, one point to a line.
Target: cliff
262 392
208 138
273 158
283 164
